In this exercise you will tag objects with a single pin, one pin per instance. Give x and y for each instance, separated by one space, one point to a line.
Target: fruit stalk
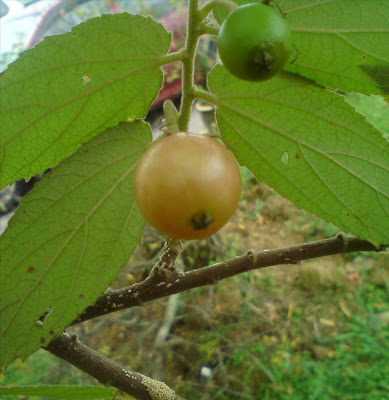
210 6
192 36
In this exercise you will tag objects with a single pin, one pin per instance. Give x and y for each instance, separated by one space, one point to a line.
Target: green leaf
61 392
68 240
309 145
71 87
341 44
374 108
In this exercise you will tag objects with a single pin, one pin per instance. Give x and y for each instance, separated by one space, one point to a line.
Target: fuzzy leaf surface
341 44
68 240
73 86
310 146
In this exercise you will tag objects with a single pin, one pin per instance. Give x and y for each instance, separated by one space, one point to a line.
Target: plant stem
109 372
229 5
209 30
205 95
164 280
192 36
172 57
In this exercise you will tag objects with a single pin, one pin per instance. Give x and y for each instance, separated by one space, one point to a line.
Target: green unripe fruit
254 42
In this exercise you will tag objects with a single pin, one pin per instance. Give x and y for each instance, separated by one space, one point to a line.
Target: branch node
164 270
73 337
253 256
342 238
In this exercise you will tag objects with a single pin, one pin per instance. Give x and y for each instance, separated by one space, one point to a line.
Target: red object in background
353 276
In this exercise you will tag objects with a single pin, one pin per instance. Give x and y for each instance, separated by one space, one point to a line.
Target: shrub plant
76 104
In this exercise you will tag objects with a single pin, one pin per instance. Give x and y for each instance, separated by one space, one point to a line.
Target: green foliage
358 370
374 108
79 226
277 364
346 47
61 392
71 87
333 154
70 238
45 369
340 44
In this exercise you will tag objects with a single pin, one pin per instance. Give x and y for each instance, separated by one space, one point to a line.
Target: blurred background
315 331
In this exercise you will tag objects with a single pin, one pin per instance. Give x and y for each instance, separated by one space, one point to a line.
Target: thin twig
210 30
228 5
192 37
165 268
164 280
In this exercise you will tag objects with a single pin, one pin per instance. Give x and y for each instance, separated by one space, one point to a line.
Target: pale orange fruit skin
185 175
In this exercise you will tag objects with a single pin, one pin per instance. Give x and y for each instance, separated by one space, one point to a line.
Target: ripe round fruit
187 185
254 42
